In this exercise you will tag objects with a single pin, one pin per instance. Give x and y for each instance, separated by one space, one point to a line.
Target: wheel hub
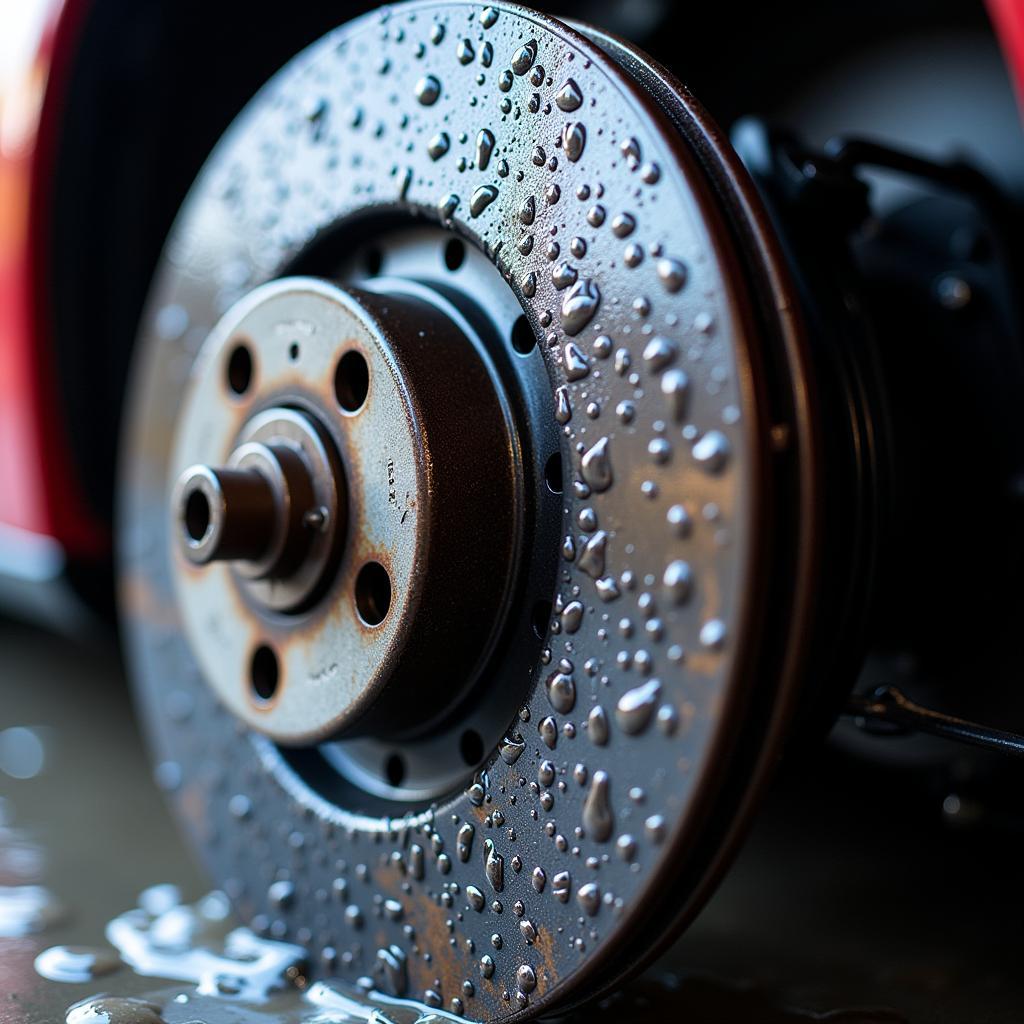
338 531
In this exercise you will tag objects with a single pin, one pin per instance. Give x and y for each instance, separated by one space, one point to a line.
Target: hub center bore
341 565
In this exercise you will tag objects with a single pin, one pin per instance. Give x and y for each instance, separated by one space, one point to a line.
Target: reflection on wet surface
815 923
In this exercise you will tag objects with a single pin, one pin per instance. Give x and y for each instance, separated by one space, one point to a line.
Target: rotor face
534 881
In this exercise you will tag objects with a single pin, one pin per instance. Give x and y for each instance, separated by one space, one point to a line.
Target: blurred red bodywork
38 489
39 492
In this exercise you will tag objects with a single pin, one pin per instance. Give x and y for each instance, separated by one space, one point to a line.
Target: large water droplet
597 812
568 97
114 1010
510 748
562 275
675 386
712 451
464 841
635 707
577 366
678 580
597 726
659 352
482 198
574 139
561 689
465 52
438 145
589 898
672 274
484 148
579 306
427 90
592 558
596 466
572 617
494 866
524 57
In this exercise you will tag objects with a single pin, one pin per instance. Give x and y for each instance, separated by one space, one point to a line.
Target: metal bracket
891 709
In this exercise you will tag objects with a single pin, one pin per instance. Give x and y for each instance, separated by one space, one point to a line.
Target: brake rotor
464 666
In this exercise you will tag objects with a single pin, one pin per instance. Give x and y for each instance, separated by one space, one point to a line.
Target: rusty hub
337 535
580 454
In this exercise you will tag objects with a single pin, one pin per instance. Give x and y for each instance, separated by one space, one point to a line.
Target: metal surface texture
622 746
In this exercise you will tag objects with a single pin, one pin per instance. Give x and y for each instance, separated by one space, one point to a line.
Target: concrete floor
850 894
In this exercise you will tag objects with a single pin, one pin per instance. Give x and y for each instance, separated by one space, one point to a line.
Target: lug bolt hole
240 369
264 673
523 338
351 381
373 593
553 473
541 618
471 747
197 515
394 769
454 253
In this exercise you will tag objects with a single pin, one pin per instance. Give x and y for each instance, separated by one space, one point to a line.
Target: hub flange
327 562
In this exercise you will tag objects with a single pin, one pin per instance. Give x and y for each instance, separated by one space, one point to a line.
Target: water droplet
672 274
436 33
486 55
597 812
712 451
572 617
529 285
427 90
76 964
446 208
482 198
623 225
597 726
484 148
510 748
528 930
630 150
551 196
465 52
438 145
650 173
579 306
712 634
678 580
494 866
505 81
548 729
660 352
561 886
562 275
595 216
636 706
589 898
568 97
675 386
577 366
574 139
654 826
524 57
464 841
487 966
634 254
561 689
539 879
488 16
475 897
596 466
391 971
114 1010
563 409
592 558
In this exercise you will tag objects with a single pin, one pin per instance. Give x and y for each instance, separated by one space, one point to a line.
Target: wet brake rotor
610 533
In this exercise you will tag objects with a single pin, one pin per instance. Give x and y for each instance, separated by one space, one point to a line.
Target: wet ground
852 902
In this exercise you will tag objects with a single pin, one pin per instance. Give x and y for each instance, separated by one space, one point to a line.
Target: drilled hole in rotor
471 747
197 515
351 381
553 473
394 769
373 593
454 253
373 260
240 369
540 618
293 351
523 338
264 673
